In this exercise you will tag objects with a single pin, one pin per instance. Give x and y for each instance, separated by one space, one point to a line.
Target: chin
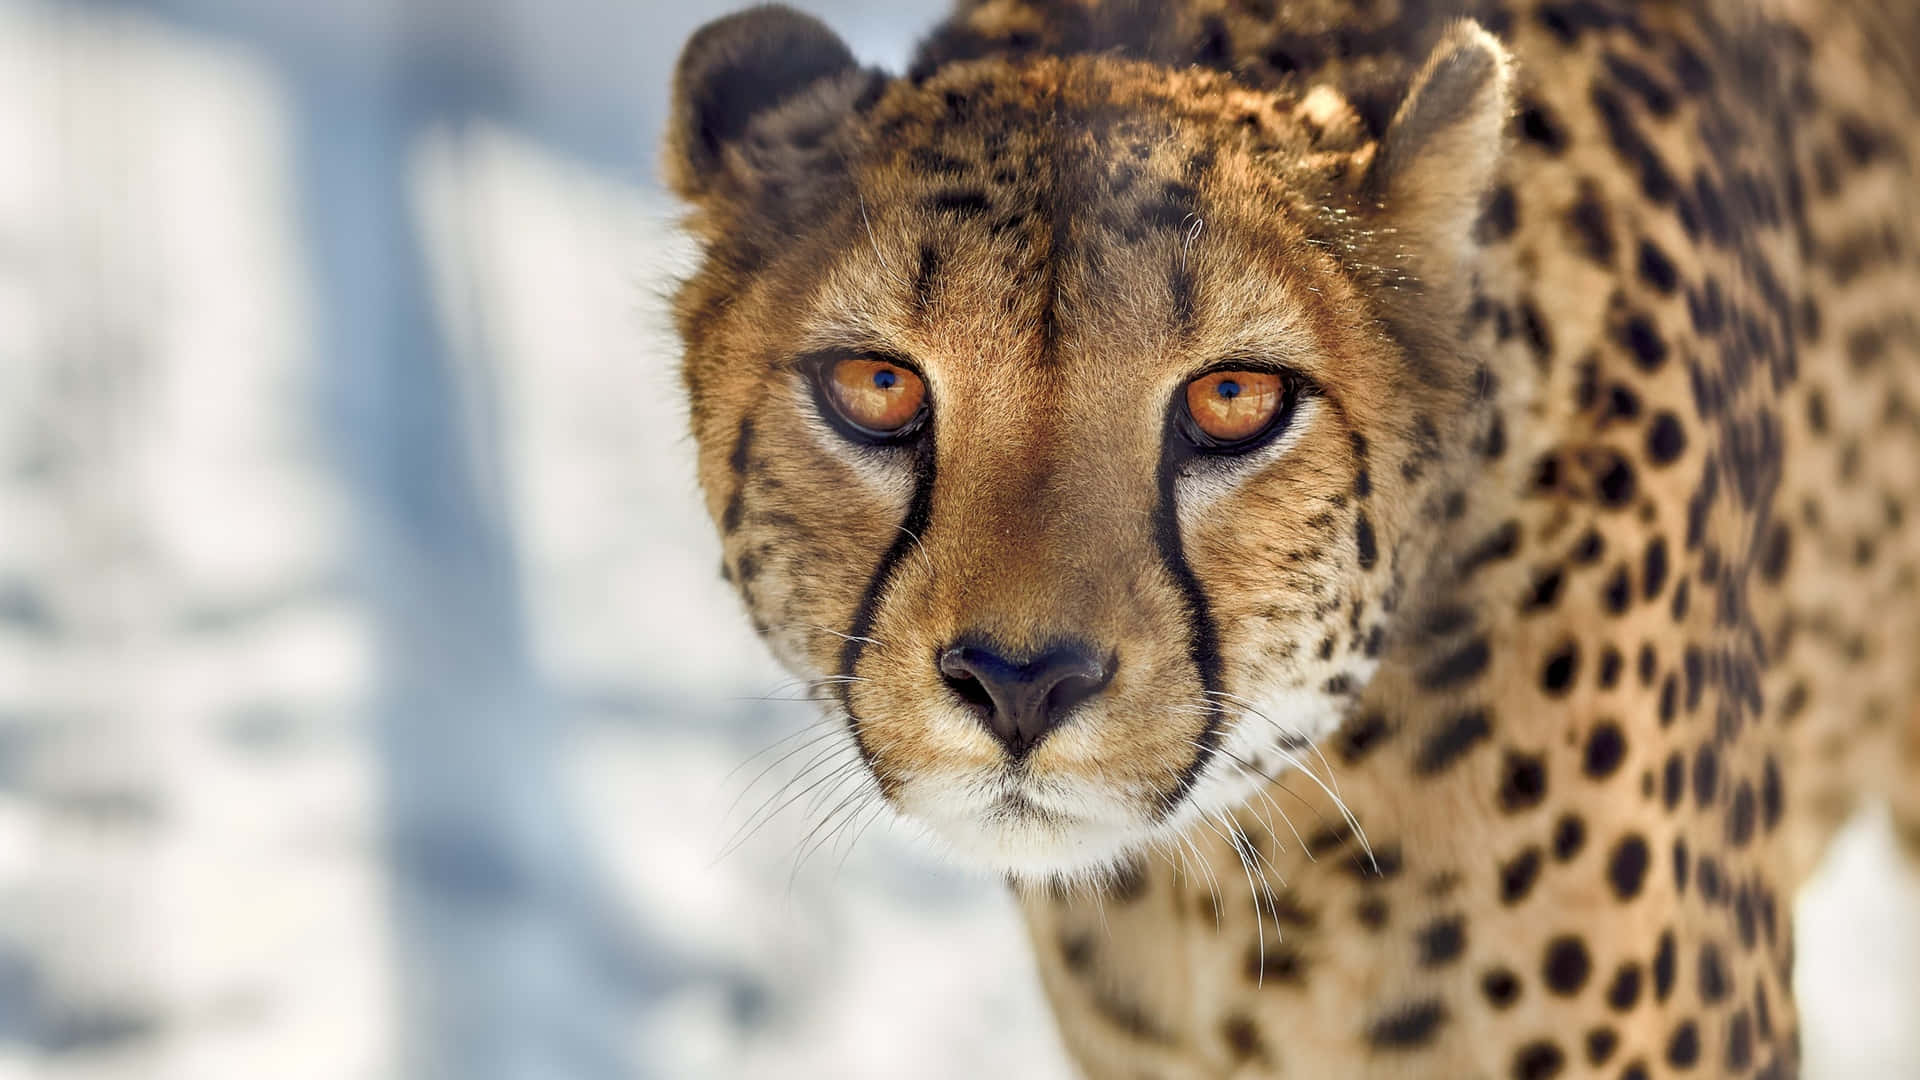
1011 833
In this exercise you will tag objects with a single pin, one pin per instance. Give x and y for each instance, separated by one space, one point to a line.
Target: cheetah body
1601 593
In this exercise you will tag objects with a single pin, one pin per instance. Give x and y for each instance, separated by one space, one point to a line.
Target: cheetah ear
739 71
1438 157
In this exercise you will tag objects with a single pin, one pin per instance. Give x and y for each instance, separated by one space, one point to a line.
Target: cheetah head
1066 419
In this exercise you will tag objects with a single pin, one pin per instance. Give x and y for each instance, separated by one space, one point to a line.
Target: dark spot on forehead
967 203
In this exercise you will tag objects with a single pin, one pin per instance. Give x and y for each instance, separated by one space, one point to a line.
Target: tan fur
1586 577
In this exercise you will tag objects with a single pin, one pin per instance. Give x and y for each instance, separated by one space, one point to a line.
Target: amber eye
1229 408
878 398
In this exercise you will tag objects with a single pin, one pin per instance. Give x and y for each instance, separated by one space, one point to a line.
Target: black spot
1517 877
1740 1042
1360 735
1499 217
1706 776
1569 836
1411 1026
1656 269
1332 838
1567 965
1656 181
1452 741
1643 343
1601 1043
1610 664
1243 1037
1675 784
1557 674
1772 798
1462 665
1495 442
1740 816
1653 572
1666 439
1379 865
1627 866
1539 338
1216 44
1606 748
1538 1061
1774 553
1076 951
1539 126
1622 403
1363 536
1591 228
1624 991
1638 81
1715 984
1545 592
1683 1050
966 203
1712 885
1614 481
923 279
1499 544
1524 782
1274 962
1663 959
1617 592
1442 940
1501 986
1371 912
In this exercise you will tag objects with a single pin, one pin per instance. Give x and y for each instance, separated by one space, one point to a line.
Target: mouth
1017 825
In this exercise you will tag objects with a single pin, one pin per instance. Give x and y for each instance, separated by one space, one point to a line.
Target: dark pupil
885 380
1229 389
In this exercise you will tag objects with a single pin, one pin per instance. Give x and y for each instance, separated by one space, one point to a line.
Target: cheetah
1387 521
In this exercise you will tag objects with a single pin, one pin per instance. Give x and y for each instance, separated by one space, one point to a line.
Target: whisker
766 816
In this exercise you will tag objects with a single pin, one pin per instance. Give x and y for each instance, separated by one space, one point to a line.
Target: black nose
1024 700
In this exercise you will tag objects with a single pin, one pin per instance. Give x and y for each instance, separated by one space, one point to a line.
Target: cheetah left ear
751 93
1438 157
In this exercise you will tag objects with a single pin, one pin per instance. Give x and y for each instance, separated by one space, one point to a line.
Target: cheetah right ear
1438 157
738 70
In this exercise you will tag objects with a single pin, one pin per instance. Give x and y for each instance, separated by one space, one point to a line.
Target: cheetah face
1037 405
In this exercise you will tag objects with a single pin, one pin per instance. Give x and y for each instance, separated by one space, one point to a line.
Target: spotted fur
1485 721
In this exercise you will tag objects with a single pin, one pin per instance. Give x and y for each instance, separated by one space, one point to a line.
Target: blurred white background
370 704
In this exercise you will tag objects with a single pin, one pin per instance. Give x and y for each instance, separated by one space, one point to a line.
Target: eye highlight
1229 409
878 399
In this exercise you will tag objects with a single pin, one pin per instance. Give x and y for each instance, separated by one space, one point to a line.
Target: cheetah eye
874 399
1229 411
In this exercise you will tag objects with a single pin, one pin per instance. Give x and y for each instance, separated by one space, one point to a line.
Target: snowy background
370 706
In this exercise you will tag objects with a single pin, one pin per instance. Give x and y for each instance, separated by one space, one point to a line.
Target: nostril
976 673
966 685
1023 701
1076 688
